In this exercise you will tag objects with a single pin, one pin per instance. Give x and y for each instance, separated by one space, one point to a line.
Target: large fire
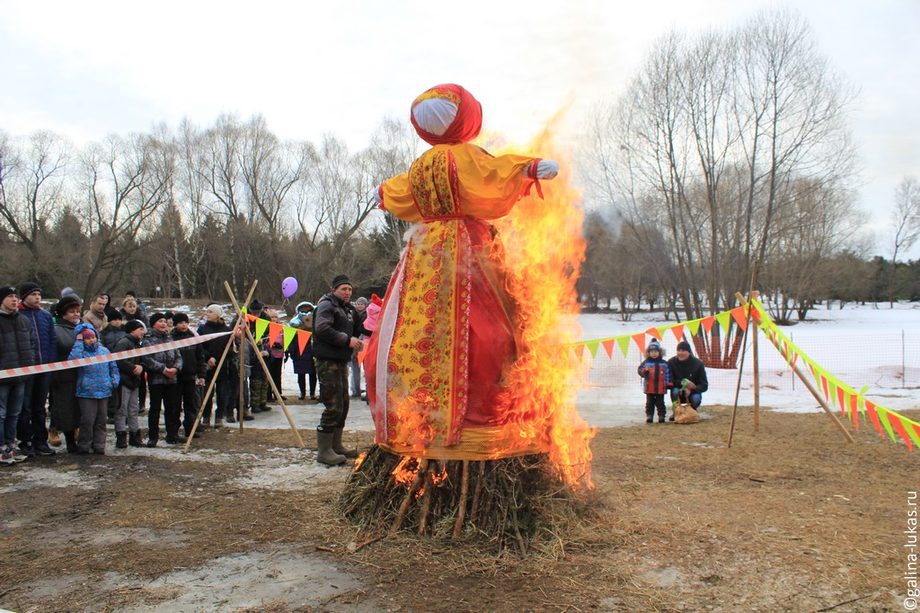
544 251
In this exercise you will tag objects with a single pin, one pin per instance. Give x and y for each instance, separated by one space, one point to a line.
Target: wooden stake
731 427
464 490
407 499
426 501
243 356
258 355
220 363
755 364
474 507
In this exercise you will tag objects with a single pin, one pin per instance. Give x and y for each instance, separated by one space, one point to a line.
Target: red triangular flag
707 323
827 392
842 400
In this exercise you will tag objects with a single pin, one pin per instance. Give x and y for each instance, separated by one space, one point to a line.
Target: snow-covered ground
863 345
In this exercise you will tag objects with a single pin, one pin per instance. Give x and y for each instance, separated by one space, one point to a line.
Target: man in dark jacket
31 428
127 429
18 347
334 339
688 376
191 377
163 373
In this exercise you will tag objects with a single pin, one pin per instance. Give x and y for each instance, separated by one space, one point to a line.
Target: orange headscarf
466 123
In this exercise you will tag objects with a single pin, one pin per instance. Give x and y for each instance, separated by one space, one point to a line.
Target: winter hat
305 307
68 291
66 303
133 325
6 290
255 305
179 317
216 309
340 280
653 346
156 317
362 300
87 330
28 287
113 314
684 346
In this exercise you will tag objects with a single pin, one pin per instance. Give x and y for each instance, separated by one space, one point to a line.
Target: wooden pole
747 325
220 363
265 370
244 355
811 388
755 364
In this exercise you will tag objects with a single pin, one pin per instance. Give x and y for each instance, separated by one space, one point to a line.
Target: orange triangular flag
678 331
854 411
303 337
608 347
579 351
740 317
654 332
827 392
895 420
707 323
640 341
870 409
274 332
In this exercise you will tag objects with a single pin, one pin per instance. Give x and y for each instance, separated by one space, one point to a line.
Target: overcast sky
87 69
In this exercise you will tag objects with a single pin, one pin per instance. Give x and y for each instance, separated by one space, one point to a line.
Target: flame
406 471
359 461
544 249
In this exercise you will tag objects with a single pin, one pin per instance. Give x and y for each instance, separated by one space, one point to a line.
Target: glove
547 169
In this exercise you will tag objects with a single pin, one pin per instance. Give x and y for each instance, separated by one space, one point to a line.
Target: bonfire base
510 502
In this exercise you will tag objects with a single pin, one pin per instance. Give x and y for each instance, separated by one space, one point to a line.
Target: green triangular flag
592 347
623 343
694 326
883 417
724 318
261 327
289 334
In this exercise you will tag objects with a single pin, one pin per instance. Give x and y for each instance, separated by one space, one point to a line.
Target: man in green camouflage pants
334 341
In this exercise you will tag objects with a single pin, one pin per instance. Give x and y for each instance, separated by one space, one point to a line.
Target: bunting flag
851 402
608 347
654 332
274 332
725 320
289 334
694 326
592 347
707 323
639 339
623 342
739 314
678 332
261 327
303 337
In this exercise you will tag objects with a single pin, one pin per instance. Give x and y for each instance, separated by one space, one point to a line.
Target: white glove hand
547 169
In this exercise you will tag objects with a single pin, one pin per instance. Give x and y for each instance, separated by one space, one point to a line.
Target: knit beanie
27 288
133 325
178 317
340 280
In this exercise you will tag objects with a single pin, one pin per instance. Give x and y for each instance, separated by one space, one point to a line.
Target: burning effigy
468 381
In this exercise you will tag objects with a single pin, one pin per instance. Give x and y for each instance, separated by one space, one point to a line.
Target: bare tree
906 222
33 182
125 181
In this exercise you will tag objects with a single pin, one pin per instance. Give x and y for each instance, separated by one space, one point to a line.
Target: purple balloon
289 287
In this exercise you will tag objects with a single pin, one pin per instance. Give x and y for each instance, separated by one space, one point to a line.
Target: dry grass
790 518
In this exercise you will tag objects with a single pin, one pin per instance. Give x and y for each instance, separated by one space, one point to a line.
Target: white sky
87 69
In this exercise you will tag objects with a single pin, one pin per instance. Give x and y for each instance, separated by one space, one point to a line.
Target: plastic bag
685 414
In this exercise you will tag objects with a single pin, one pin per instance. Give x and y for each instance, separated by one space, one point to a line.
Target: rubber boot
121 440
337 445
134 439
70 437
324 452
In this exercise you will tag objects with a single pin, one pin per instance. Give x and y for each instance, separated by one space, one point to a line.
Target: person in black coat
213 349
18 347
688 376
63 407
191 377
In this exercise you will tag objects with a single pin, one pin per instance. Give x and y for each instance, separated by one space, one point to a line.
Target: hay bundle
509 502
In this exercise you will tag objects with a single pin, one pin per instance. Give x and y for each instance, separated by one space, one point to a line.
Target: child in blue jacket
656 375
95 383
